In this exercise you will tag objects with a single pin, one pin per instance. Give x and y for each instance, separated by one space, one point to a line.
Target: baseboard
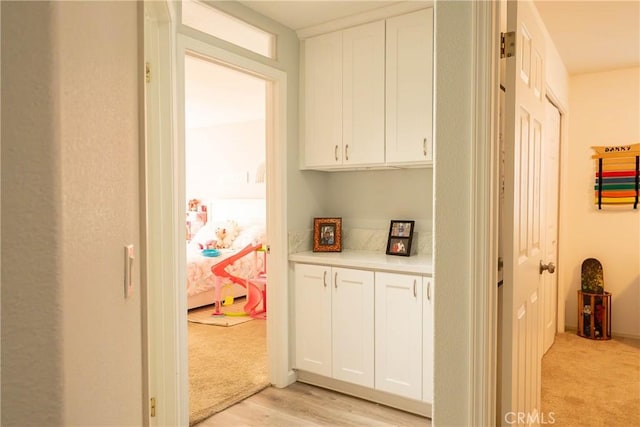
614 334
408 405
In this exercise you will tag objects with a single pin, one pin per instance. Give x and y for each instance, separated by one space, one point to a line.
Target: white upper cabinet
323 100
368 95
409 80
344 98
363 94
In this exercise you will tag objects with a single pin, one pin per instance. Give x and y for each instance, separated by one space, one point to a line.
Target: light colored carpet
204 314
226 365
592 383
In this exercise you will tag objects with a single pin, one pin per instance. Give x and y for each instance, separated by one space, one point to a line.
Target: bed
201 282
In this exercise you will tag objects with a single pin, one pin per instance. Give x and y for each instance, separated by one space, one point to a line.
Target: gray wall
370 199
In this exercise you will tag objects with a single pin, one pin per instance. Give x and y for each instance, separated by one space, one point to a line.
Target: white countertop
416 264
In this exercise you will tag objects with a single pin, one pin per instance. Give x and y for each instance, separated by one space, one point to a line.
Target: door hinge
153 407
147 72
507 44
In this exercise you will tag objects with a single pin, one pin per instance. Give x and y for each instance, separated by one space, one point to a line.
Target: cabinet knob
335 152
324 279
335 280
346 152
424 147
429 290
415 288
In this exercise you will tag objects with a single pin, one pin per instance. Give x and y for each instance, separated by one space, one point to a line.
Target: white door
313 318
523 223
398 333
551 167
352 326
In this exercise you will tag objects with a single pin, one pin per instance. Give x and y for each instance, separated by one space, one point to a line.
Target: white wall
605 108
71 342
452 216
220 159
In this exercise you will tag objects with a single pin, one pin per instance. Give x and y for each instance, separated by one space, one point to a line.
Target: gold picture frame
327 235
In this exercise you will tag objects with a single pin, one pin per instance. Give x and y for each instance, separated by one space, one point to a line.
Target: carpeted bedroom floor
591 383
226 364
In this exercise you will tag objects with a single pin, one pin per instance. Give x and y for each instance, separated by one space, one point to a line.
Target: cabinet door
313 318
352 324
409 77
398 334
363 94
427 339
323 100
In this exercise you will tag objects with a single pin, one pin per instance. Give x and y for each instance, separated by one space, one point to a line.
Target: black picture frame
327 235
400 237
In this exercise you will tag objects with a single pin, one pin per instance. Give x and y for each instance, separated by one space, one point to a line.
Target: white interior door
551 167
521 341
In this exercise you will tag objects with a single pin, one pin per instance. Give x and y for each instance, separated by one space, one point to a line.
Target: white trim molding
484 206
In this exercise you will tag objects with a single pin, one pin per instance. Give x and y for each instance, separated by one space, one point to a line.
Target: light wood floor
305 405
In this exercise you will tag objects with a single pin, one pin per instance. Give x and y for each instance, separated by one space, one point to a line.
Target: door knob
551 268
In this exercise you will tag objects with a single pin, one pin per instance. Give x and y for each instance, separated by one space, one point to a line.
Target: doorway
225 188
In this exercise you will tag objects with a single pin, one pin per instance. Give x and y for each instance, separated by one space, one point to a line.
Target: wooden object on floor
305 405
594 315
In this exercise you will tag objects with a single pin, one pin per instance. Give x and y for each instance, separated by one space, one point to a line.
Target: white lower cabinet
366 328
427 339
334 322
398 331
313 318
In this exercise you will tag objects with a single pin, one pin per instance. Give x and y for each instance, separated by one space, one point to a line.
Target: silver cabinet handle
415 288
335 280
346 151
335 152
324 278
429 290
424 147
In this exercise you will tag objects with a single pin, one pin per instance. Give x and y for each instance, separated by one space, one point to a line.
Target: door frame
562 188
164 302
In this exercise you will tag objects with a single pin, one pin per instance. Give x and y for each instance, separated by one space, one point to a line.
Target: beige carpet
592 383
226 365
204 314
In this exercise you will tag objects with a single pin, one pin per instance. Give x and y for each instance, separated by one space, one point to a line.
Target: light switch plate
128 270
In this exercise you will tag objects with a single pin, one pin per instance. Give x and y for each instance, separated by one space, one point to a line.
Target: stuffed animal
226 234
194 204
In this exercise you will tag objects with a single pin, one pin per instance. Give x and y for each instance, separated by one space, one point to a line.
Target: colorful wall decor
617 176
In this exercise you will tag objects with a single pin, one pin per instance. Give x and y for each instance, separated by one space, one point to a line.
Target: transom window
214 22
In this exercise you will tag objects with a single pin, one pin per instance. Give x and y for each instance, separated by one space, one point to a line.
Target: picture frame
400 237
327 235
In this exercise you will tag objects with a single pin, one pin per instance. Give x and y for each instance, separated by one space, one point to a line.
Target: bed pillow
205 235
250 235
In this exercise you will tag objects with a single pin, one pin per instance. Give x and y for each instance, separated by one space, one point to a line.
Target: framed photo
400 237
327 235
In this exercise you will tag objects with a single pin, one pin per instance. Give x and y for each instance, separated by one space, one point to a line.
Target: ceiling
589 35
594 35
